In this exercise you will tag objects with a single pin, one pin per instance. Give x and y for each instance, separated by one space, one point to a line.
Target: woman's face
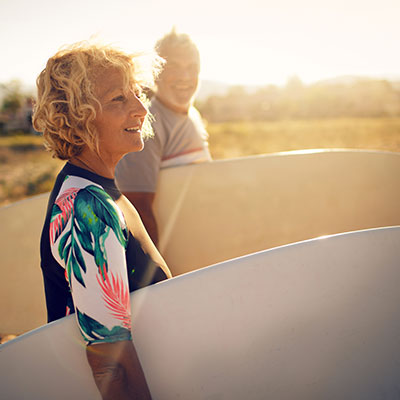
121 118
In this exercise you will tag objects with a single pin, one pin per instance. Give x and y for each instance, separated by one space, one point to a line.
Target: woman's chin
135 143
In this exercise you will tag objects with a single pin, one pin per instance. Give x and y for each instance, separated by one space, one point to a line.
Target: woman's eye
138 92
119 98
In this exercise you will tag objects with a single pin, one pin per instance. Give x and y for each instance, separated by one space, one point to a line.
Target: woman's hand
117 371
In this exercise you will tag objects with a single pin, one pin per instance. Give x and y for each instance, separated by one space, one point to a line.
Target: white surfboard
314 320
213 212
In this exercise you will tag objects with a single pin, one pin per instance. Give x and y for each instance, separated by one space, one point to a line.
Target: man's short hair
172 40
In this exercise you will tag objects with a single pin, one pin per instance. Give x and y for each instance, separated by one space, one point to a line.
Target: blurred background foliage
345 97
349 113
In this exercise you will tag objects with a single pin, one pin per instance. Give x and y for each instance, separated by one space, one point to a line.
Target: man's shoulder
156 107
194 113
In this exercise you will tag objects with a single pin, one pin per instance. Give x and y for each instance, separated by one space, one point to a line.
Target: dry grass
26 169
241 139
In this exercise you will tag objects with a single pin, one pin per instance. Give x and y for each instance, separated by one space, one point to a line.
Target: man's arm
143 202
117 371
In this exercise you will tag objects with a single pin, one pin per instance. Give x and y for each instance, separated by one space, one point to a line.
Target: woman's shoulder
87 198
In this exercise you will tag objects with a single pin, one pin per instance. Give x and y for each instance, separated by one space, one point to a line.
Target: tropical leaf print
61 212
71 253
96 214
93 331
106 207
93 217
116 297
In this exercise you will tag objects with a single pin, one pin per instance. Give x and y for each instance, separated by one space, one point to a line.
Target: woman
94 248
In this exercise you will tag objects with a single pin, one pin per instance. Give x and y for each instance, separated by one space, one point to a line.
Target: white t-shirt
178 139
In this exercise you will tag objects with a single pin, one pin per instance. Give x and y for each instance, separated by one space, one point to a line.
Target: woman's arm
136 227
88 240
117 371
143 202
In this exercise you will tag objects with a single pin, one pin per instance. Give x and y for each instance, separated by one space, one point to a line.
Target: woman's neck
94 163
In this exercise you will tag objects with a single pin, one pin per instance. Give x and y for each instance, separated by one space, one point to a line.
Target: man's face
179 79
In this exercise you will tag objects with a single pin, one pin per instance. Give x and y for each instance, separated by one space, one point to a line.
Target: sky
241 42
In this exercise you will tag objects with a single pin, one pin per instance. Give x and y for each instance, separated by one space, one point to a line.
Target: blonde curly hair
66 103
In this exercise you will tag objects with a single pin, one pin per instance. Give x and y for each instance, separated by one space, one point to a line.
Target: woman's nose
138 109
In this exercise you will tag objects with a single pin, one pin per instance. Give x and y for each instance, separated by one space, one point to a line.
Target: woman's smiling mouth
137 129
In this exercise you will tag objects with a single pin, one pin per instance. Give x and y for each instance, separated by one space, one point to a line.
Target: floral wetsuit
89 259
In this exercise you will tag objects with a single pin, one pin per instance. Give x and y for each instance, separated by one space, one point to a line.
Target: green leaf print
105 207
94 216
97 216
70 252
55 212
94 331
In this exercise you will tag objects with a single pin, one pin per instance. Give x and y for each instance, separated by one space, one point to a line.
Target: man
179 133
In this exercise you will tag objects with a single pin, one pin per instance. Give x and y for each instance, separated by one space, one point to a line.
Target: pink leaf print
66 203
116 296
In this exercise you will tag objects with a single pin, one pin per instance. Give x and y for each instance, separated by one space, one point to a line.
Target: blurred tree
13 97
294 84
